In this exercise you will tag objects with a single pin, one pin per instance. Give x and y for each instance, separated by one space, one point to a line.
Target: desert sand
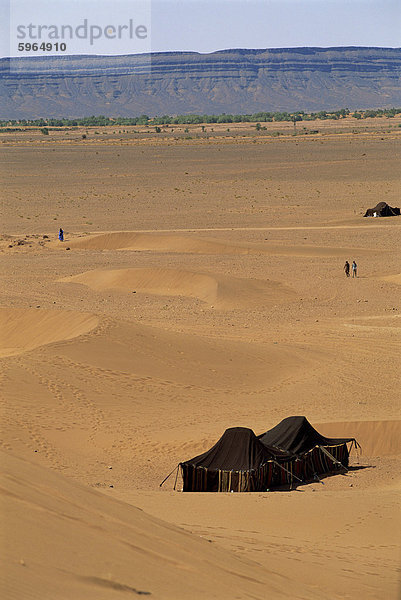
200 286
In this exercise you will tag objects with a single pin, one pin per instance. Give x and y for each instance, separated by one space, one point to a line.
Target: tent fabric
240 461
297 436
317 454
201 479
382 210
316 462
238 449
237 462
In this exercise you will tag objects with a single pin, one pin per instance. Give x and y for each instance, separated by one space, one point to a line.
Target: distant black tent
318 454
238 462
382 210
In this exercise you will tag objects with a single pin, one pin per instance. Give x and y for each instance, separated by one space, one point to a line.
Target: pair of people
347 269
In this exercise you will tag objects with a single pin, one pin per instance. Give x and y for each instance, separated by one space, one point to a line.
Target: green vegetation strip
258 118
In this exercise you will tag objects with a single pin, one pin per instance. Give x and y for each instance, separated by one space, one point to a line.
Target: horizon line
261 49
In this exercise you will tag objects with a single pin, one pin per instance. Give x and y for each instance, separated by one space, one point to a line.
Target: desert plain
200 286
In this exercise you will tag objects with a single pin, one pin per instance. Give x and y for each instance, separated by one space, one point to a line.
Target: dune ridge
393 278
112 547
22 329
377 438
219 290
162 242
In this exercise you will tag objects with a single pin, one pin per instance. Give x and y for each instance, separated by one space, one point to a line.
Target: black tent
238 462
382 210
318 454
291 452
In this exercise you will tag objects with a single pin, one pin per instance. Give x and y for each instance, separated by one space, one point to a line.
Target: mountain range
229 81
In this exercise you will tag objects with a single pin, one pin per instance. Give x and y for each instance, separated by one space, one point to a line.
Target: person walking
354 269
346 268
61 235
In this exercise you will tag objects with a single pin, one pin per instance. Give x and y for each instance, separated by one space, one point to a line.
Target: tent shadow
297 486
360 467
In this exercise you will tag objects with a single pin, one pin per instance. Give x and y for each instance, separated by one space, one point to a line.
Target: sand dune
25 329
218 290
377 438
172 358
107 405
340 543
112 547
157 242
393 278
162 242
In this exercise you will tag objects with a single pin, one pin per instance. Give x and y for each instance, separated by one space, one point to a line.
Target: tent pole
176 477
354 444
284 469
169 475
335 461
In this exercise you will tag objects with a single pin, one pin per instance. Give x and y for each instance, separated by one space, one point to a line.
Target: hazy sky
208 25
213 25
